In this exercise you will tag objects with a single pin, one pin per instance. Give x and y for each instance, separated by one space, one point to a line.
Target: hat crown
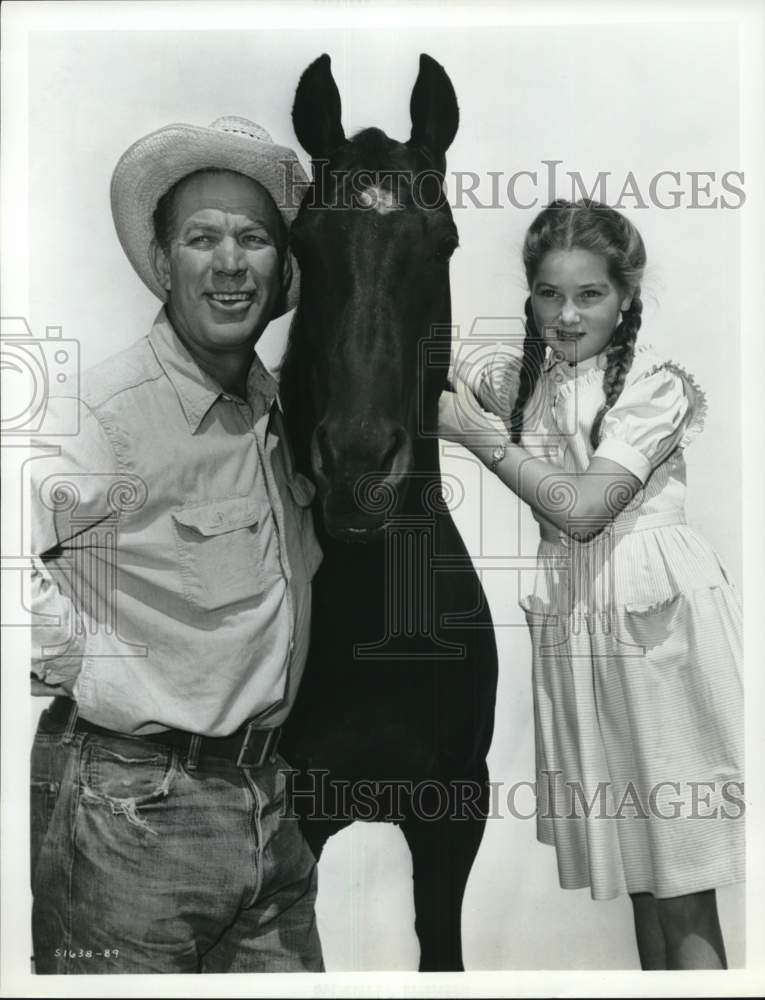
153 164
241 126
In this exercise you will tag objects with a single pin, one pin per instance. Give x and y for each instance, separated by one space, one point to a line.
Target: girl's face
576 305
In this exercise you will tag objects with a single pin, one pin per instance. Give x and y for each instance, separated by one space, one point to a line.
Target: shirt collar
597 361
196 389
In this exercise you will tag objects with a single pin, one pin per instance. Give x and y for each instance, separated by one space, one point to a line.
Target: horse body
397 699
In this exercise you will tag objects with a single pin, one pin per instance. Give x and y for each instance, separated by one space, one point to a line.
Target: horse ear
316 111
434 110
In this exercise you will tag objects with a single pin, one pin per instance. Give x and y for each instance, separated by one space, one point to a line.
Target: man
175 550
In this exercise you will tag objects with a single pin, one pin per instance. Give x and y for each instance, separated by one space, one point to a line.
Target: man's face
222 270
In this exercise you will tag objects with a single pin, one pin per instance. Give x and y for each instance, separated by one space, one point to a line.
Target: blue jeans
141 864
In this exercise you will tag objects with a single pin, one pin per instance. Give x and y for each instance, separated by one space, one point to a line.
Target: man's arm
67 496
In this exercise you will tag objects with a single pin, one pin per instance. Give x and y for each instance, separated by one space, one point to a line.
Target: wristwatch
498 454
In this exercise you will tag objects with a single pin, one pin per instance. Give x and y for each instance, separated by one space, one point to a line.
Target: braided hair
601 230
531 369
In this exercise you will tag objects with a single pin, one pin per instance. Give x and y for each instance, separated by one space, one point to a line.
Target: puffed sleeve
659 411
493 376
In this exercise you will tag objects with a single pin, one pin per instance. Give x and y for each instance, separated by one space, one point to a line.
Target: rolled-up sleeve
69 478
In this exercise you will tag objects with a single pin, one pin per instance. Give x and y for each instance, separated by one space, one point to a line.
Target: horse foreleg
443 850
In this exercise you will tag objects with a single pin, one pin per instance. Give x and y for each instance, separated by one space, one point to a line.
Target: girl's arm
658 411
581 504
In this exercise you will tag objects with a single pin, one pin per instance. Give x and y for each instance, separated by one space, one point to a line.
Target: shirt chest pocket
220 550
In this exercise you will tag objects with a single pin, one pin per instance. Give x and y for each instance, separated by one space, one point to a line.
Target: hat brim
150 167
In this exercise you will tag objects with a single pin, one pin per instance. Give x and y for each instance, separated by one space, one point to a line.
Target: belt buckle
252 752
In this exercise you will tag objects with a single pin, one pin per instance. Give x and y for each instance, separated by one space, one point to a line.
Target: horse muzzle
361 478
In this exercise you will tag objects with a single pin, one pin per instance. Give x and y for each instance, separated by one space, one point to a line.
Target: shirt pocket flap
220 516
302 489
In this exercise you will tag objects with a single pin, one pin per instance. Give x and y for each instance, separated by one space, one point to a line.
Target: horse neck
294 391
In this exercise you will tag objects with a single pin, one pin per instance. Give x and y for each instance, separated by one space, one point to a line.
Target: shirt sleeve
493 377
58 635
655 414
67 496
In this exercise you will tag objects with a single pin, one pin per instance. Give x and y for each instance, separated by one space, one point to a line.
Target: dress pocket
656 625
220 552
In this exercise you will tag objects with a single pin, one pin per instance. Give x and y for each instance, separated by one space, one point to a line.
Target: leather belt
247 747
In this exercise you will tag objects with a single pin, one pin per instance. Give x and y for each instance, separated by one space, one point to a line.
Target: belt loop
192 757
71 724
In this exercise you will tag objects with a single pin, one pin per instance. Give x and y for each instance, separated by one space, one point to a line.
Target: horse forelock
370 170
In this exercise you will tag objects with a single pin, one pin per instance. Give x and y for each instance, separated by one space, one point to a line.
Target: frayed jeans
142 864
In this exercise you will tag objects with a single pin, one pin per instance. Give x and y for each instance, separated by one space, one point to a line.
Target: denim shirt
174 548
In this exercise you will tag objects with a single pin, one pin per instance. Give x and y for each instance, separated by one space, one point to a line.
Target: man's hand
39 689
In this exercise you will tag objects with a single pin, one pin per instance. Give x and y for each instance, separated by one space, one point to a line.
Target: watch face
499 453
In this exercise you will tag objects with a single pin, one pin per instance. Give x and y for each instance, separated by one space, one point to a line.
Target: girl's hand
462 419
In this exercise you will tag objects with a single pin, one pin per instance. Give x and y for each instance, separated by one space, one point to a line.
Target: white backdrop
621 97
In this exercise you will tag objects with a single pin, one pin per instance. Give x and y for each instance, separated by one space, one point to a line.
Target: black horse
395 713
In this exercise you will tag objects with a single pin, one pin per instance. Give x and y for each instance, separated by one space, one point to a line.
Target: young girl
636 629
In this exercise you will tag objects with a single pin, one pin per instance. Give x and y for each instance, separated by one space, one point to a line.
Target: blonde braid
620 355
531 369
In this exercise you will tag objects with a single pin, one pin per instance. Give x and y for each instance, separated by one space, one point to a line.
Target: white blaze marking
380 199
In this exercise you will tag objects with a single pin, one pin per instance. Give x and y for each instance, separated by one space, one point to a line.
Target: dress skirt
638 702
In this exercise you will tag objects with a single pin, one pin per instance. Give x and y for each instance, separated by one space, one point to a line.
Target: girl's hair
584 225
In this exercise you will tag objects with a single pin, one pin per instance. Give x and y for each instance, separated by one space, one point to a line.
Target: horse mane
294 396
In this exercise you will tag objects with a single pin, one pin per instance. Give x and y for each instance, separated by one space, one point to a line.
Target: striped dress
636 651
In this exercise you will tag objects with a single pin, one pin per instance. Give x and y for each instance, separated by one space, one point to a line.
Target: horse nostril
397 454
387 460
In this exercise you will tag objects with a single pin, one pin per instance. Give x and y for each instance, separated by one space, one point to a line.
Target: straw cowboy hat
153 164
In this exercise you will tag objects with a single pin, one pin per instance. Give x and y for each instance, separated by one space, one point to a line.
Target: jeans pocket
127 776
43 796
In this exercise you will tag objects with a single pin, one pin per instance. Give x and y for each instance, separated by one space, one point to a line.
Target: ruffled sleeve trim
587 374
697 399
591 376
647 362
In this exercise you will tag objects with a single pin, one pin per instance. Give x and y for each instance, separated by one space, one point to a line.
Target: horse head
373 239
